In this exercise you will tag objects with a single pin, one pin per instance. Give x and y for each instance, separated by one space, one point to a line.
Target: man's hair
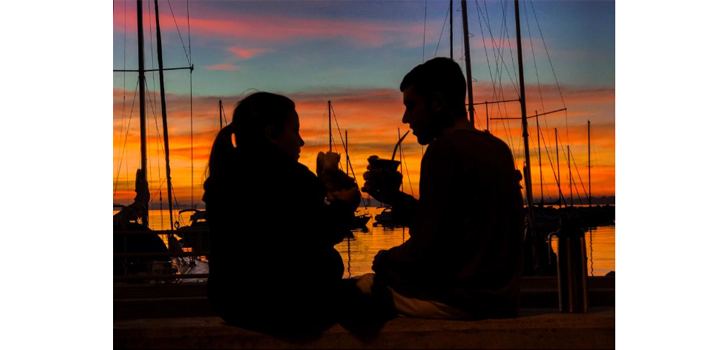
441 75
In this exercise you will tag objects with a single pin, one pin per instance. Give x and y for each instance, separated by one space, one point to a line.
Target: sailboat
196 234
137 249
361 218
536 243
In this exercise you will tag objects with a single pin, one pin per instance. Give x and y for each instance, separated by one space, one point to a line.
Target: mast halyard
141 83
163 108
528 177
468 70
348 168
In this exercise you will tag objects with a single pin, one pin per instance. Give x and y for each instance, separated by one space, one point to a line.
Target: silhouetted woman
273 267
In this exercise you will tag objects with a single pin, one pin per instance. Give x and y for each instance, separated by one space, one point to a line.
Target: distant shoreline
603 200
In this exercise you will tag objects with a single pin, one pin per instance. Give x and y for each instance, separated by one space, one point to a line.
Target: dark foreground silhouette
273 267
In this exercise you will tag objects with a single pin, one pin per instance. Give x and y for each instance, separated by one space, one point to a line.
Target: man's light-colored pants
416 308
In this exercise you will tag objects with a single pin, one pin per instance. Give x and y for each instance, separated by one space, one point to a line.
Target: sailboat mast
329 128
451 29
528 176
589 181
220 112
468 70
570 176
402 184
163 109
557 154
141 83
537 124
347 153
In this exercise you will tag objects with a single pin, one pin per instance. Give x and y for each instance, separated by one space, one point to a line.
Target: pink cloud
284 29
247 54
373 33
222 66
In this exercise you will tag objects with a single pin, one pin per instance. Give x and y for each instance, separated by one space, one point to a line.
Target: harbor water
359 251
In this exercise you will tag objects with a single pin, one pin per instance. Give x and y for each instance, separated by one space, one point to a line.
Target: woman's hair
255 113
251 117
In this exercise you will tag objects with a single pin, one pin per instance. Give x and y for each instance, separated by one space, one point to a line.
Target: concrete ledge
190 299
540 329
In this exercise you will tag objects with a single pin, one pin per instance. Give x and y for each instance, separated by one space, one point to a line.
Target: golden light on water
358 252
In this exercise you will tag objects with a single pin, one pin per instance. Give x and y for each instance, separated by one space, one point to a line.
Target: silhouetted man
463 258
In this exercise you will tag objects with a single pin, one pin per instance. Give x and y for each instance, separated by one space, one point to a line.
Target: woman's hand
351 196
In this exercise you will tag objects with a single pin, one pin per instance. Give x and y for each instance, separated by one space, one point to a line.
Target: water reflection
600 248
600 242
359 251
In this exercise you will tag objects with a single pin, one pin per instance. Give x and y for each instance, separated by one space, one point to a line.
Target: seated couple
274 224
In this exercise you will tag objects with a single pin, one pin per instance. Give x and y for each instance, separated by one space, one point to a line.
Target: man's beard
436 123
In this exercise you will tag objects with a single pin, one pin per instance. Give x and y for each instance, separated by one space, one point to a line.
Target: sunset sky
355 54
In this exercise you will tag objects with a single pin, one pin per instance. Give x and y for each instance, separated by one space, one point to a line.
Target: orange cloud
372 118
247 54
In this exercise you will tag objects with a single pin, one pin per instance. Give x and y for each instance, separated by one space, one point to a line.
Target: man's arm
436 224
404 209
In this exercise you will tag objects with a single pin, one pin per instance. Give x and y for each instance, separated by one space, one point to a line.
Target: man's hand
379 260
381 184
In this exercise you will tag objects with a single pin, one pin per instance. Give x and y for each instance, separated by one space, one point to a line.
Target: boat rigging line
441 33
188 55
500 53
532 49
552 68
487 58
152 98
501 49
122 154
552 167
498 49
527 171
142 84
468 66
345 146
347 154
141 77
499 58
158 147
122 119
407 170
581 181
